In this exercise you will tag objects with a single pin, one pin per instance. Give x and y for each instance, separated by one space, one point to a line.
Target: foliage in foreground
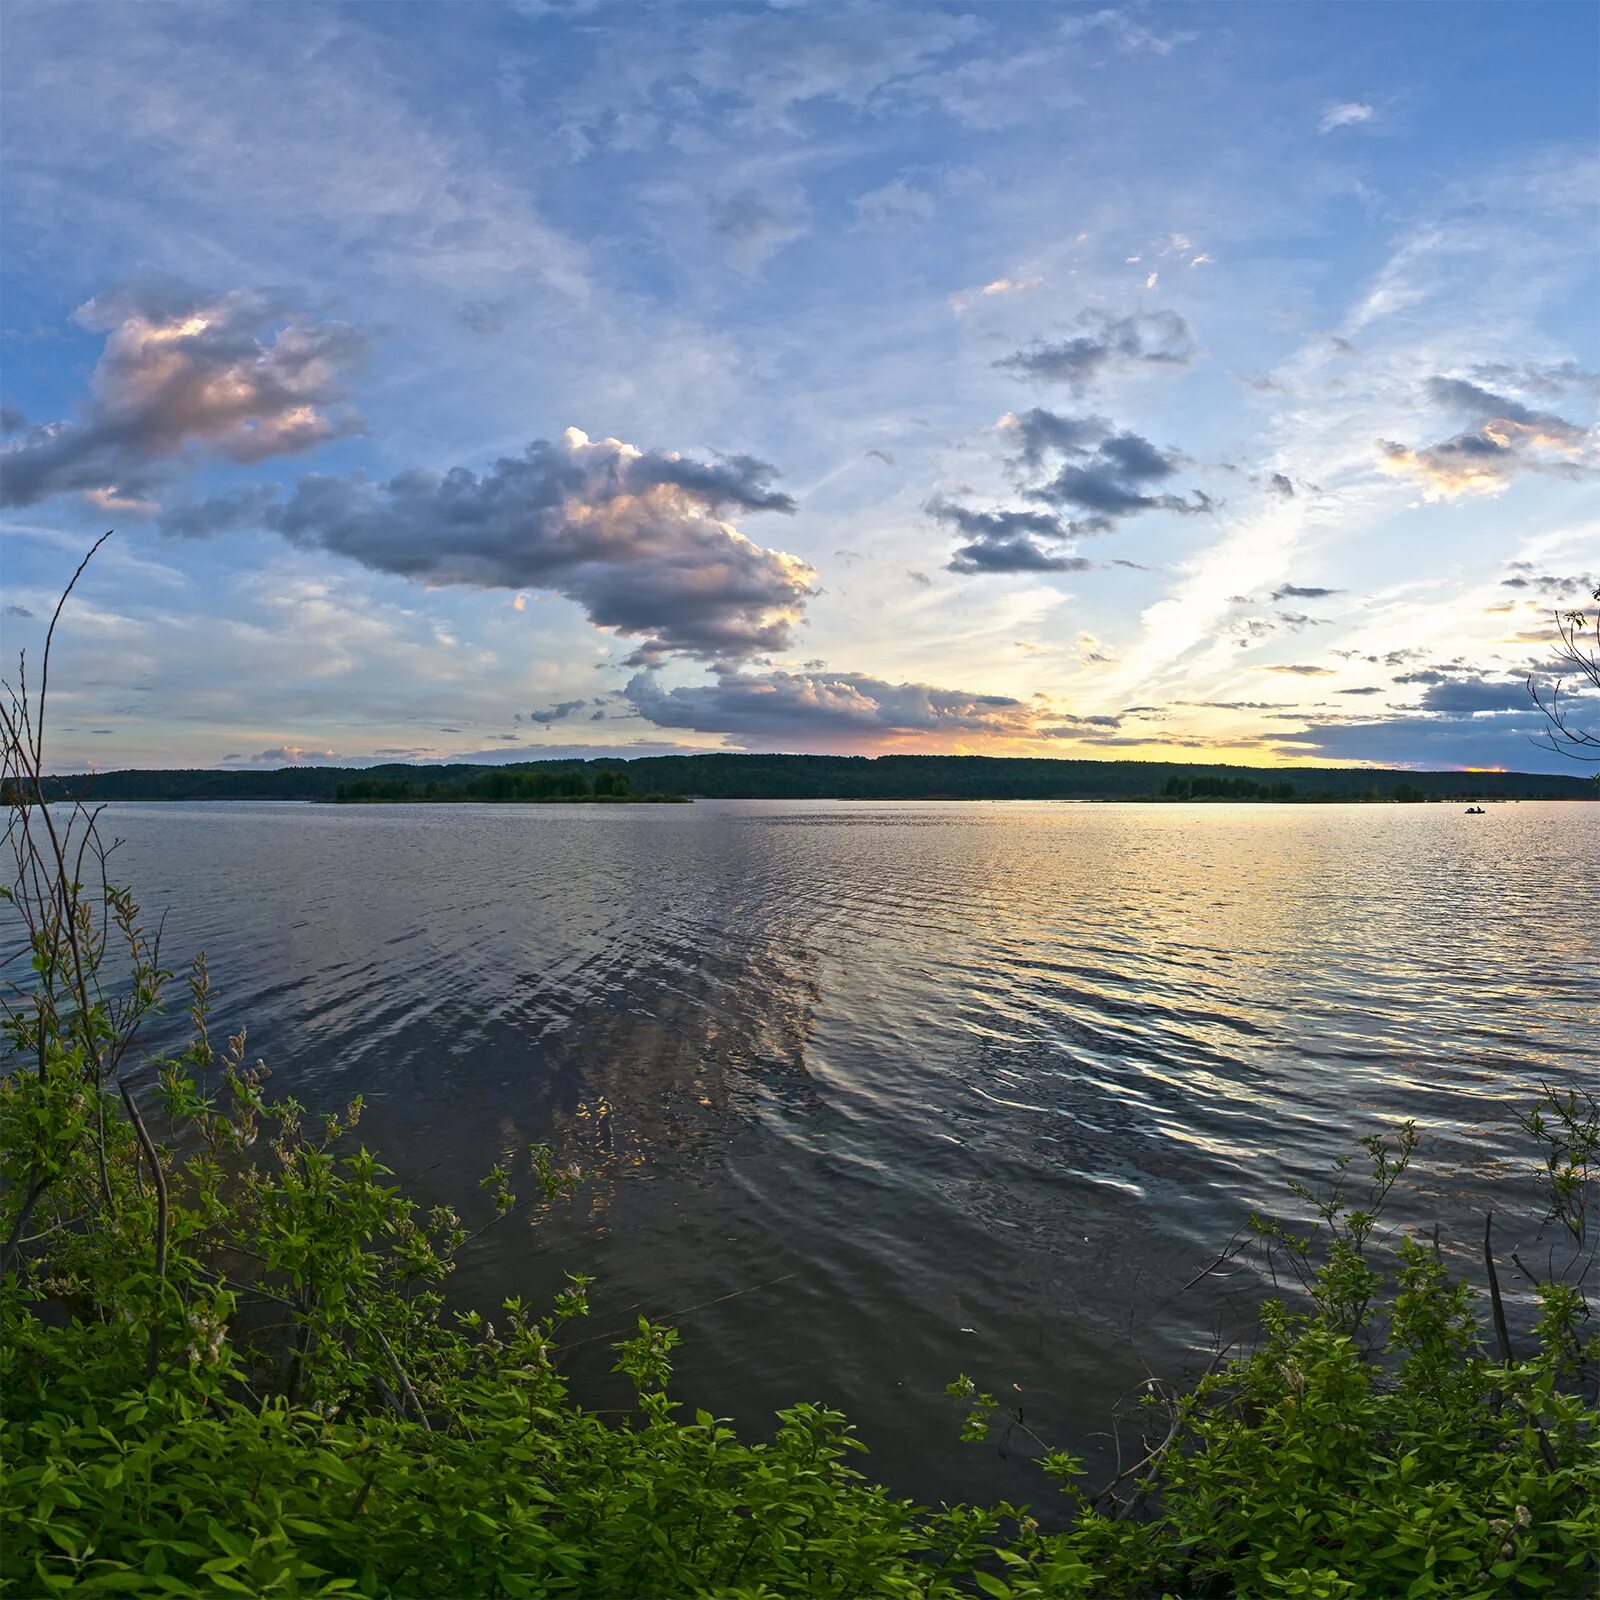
228 1368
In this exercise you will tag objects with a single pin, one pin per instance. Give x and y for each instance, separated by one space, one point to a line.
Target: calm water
980 1084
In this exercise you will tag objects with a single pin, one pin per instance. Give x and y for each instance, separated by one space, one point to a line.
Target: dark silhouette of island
808 777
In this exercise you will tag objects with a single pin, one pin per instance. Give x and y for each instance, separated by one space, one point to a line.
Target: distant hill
763 777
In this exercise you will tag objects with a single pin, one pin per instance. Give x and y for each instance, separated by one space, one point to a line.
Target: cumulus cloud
1504 438
249 507
1038 432
1104 344
1006 541
240 375
796 710
1343 114
1104 476
1113 480
638 538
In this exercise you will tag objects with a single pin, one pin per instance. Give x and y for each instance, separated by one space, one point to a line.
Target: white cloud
1343 114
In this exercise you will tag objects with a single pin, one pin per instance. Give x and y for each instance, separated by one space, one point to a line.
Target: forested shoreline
816 777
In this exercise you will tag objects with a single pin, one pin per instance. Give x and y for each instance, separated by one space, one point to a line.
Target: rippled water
981 1085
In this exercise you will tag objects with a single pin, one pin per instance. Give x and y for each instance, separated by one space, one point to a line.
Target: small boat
1476 811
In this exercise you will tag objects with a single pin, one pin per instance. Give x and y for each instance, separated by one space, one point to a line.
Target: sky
499 381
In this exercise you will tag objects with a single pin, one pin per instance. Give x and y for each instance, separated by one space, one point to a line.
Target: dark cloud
1465 697
1509 740
1552 585
249 507
11 420
802 710
1298 591
1238 705
1304 672
1105 343
1038 432
242 376
880 455
637 538
1112 482
1504 439
557 713
1006 541
1104 477
1281 485
1371 689
17 611
921 579
1553 379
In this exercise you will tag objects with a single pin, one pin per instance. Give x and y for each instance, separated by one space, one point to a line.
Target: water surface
980 1085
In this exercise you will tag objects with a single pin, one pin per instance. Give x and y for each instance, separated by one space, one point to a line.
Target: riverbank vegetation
536 785
776 777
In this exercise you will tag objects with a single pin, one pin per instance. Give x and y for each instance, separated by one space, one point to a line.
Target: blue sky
1174 380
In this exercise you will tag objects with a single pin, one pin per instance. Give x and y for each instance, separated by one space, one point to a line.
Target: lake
875 1093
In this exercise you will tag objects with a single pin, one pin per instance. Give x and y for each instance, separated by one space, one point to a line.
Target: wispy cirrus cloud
1343 114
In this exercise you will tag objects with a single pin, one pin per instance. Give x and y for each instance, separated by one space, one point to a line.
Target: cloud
1468 696
290 755
1300 591
1553 378
895 206
1105 477
558 713
756 225
965 299
1343 114
1110 483
1006 541
1303 672
17 611
1281 485
1505 439
1551 585
772 61
1107 343
1511 739
797 710
1037 432
249 507
11 420
241 375
637 538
